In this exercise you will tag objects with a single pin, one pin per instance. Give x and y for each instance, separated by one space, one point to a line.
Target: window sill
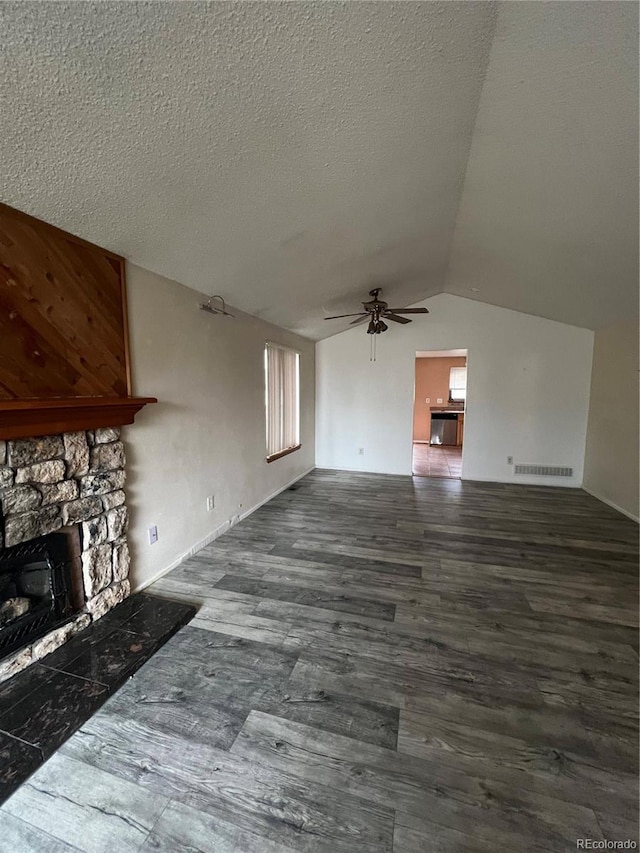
282 453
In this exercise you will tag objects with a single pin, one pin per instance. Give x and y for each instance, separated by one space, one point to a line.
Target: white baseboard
210 537
361 471
276 493
612 504
523 480
519 481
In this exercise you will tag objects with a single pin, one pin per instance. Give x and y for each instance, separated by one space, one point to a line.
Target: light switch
428 400
439 400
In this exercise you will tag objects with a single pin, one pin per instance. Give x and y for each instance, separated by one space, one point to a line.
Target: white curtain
458 378
282 399
457 383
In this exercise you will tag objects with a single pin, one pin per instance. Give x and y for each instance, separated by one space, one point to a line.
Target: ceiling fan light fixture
371 328
381 326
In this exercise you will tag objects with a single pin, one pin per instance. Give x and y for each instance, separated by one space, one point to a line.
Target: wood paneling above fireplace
62 313
64 353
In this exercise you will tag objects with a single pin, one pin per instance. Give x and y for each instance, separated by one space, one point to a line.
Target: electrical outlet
428 400
361 451
439 400
210 503
509 460
153 534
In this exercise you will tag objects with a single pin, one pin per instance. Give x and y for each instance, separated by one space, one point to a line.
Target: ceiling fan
377 311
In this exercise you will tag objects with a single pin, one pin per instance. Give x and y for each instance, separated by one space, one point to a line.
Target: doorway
440 390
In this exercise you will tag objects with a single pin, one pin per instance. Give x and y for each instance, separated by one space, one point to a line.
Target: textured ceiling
548 222
292 155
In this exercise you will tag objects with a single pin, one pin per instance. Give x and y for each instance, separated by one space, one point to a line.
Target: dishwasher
444 428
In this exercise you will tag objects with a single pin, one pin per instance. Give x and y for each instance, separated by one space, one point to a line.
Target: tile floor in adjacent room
436 461
379 664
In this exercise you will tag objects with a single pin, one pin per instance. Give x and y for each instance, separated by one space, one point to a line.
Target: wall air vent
543 470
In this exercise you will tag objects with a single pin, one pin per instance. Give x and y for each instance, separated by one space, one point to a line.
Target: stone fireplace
64 558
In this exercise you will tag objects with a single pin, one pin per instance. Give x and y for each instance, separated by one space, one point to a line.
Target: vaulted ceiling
290 156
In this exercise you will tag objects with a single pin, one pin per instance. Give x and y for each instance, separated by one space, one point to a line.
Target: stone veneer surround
55 481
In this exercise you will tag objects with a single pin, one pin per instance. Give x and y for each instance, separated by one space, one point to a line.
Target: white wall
207 432
611 461
528 392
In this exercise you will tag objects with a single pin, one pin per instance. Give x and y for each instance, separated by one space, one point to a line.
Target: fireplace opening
36 589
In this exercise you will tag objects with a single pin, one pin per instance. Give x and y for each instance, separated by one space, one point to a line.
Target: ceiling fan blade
396 318
408 310
362 319
340 316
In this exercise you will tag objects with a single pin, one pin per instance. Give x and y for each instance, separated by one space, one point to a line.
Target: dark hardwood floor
377 664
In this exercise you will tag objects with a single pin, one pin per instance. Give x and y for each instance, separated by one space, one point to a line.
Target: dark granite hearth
44 705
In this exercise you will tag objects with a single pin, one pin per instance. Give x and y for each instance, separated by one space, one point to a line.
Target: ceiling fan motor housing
375 303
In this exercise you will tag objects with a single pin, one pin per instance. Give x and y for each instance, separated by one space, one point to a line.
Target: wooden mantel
64 342
28 418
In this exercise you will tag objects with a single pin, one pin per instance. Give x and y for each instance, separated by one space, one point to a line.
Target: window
282 385
457 384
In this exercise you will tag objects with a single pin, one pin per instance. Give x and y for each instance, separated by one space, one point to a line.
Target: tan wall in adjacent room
611 458
432 380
